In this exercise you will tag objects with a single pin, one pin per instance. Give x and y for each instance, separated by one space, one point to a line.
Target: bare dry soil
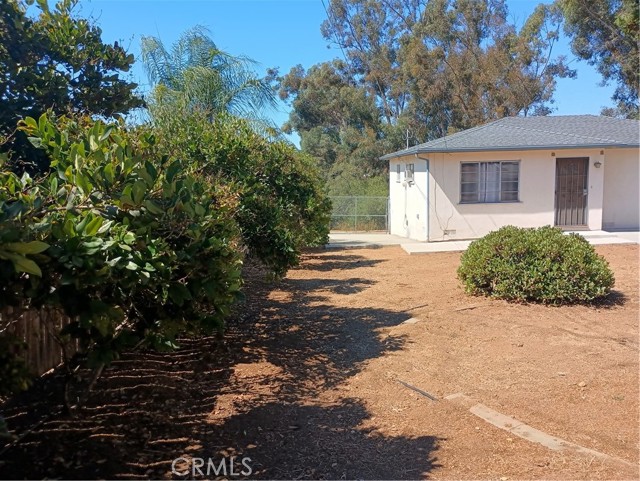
310 384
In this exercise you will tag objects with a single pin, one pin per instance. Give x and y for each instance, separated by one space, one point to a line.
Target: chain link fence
360 213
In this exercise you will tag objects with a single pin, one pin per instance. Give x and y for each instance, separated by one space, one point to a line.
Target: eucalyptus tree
195 75
448 65
411 70
606 33
338 121
466 63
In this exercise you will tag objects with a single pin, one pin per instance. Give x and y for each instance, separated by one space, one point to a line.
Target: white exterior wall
408 201
621 189
447 218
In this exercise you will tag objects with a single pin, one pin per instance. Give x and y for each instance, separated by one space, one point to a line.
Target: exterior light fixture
597 164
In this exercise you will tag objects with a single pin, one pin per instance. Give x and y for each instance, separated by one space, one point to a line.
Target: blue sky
284 33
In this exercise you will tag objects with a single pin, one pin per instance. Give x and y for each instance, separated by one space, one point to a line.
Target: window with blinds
486 182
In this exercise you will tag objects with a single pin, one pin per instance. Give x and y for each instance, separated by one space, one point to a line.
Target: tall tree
370 34
418 69
467 64
450 64
337 120
605 33
196 75
57 61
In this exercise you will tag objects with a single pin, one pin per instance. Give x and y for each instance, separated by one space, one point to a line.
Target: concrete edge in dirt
527 432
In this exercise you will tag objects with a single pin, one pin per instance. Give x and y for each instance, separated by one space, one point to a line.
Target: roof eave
513 148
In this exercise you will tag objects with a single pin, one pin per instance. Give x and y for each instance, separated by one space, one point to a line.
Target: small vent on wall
450 232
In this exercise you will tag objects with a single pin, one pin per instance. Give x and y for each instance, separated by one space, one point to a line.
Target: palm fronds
195 74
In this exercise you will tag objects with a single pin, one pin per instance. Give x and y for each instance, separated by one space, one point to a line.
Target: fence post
355 217
386 218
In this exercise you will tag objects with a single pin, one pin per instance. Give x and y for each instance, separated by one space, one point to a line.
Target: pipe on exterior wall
427 192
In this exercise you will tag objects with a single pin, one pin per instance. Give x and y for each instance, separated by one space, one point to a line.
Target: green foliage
535 265
448 65
138 236
416 70
17 253
347 179
282 204
338 121
207 107
195 75
58 61
606 33
131 245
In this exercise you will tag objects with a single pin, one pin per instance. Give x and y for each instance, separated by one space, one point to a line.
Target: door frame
585 225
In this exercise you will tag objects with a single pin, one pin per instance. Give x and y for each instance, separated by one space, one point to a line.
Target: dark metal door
571 192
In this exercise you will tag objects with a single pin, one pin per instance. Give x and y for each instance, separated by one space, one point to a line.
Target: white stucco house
575 172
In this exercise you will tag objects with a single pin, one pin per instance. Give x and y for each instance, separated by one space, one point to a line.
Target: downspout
427 193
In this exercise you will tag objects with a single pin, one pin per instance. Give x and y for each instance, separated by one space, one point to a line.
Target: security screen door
571 192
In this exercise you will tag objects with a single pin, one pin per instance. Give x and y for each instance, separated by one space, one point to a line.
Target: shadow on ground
150 408
615 298
322 442
331 260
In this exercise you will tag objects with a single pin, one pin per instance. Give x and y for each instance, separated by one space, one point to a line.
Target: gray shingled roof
535 133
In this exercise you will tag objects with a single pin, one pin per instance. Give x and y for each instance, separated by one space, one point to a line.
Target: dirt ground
308 384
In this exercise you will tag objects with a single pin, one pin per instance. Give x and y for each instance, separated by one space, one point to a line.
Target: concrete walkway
339 240
363 239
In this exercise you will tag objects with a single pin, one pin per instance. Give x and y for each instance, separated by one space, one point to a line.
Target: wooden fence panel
38 329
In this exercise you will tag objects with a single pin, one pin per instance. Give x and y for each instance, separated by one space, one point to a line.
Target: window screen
489 181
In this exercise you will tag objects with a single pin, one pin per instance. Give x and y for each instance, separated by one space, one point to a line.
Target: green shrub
282 203
132 246
139 236
535 265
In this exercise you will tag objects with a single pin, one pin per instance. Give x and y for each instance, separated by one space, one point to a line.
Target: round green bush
535 265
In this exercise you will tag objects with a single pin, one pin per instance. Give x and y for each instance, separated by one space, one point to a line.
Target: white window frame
409 172
500 183
398 174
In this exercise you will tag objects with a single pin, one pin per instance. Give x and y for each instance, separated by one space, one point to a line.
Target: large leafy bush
282 203
538 265
132 246
139 235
